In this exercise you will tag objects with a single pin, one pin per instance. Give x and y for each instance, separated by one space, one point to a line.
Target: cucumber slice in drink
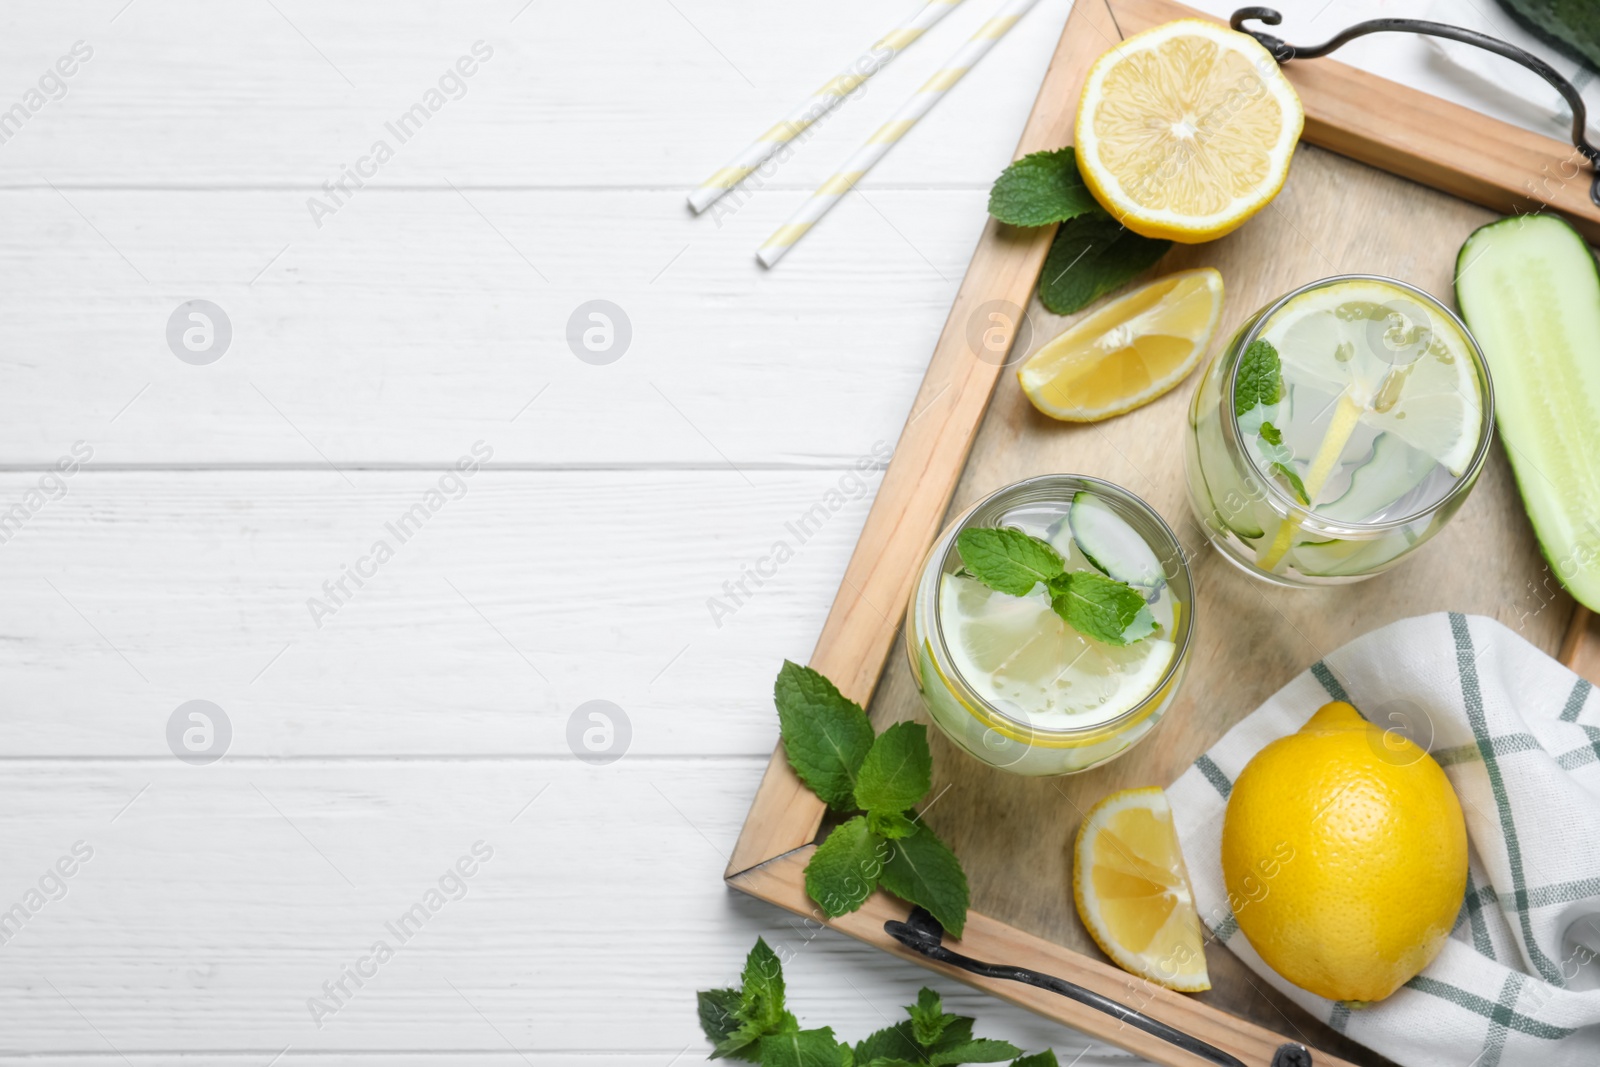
1108 542
1214 459
1394 470
1530 293
1341 559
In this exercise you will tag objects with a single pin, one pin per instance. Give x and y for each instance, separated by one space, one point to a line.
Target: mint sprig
736 1020
1092 253
1097 606
929 1037
832 747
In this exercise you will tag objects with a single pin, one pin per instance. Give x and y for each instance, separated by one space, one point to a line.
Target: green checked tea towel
1519 735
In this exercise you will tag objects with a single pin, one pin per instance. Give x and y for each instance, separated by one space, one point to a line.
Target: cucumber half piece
1108 542
1530 292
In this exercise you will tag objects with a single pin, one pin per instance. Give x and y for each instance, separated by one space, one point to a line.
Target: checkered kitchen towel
1519 735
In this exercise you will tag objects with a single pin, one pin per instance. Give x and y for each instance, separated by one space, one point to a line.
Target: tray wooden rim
1356 114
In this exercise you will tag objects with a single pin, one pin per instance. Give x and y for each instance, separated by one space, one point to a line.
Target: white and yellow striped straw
819 103
845 178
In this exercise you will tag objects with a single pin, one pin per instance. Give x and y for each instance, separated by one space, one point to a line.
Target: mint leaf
718 1013
1092 255
844 869
984 1050
761 998
928 1020
1257 380
891 824
737 1019
1142 626
1041 188
1271 434
1047 1058
802 1048
1288 474
1096 606
891 1044
923 870
1007 561
898 770
825 735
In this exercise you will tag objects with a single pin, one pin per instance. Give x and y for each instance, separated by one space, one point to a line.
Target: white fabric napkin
1495 77
1519 736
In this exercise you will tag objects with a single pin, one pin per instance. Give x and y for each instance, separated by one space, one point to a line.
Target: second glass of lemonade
1005 677
1341 428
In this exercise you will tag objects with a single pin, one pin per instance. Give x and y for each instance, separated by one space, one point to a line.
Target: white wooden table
387 725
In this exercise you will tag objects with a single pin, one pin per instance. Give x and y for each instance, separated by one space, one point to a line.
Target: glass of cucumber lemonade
1340 428
1071 671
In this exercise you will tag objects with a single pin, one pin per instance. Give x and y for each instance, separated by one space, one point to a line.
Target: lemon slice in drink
1129 352
1024 659
1132 890
1410 372
1186 130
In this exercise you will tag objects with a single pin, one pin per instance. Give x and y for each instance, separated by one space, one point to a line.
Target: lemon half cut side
1186 130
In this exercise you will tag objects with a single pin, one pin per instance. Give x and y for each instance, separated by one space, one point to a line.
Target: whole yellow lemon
1345 856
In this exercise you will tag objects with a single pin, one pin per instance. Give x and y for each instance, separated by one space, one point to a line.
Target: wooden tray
1338 213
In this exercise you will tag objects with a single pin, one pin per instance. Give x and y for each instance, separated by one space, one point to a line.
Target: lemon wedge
1132 890
1127 353
1186 130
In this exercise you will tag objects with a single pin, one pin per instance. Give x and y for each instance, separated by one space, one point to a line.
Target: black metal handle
921 933
1283 52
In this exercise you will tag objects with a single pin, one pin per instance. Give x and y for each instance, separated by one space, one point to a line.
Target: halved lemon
1132 890
1127 353
1186 130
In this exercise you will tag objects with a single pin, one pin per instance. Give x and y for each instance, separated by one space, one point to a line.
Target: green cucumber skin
1570 26
1565 518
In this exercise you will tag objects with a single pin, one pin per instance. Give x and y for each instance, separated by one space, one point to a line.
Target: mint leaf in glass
1096 606
1008 561
1295 484
1258 380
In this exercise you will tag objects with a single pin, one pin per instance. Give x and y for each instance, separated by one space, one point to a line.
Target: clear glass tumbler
1341 428
1006 678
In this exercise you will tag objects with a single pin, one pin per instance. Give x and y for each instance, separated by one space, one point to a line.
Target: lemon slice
1132 890
1025 660
1410 372
1127 353
1186 130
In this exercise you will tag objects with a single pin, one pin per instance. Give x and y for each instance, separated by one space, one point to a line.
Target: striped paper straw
845 178
819 103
